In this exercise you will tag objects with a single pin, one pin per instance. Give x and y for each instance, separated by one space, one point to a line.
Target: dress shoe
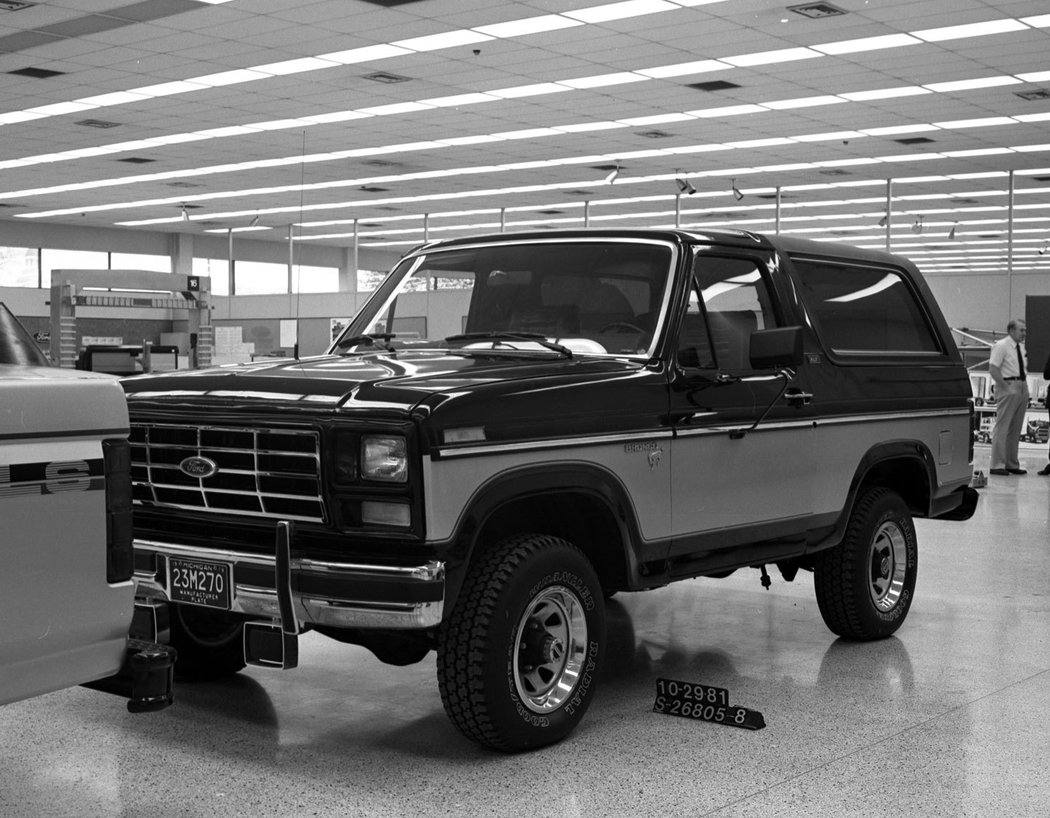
1044 471
1018 471
998 471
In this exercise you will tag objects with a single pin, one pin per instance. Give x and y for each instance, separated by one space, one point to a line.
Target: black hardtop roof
739 238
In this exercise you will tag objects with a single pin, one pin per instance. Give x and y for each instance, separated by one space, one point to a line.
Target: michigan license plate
199 583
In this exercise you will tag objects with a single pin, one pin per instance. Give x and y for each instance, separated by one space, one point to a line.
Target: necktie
1020 362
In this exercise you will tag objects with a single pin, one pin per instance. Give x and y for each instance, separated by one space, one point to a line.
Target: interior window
736 299
864 310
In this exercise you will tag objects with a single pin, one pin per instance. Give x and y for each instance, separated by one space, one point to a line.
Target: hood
375 382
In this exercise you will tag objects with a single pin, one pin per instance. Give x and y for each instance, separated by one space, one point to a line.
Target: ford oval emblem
199 467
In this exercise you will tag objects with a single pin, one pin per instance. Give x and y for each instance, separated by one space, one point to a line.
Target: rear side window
860 310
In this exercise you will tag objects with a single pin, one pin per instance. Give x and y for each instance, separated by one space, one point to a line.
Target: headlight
385 459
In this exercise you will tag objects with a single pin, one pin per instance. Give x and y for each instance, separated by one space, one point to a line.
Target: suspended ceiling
434 118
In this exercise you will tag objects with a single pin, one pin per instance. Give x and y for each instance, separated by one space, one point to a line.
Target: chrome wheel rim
888 561
550 646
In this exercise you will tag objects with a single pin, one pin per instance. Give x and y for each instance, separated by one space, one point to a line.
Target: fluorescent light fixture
528 25
985 122
866 44
885 93
728 110
684 68
11 117
298 66
336 116
770 142
971 85
603 80
620 11
166 89
1038 76
396 108
803 102
368 53
456 100
115 98
832 136
771 57
234 77
448 39
60 108
586 127
893 130
937 35
659 119
518 91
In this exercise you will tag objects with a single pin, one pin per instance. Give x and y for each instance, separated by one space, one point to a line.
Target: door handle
797 397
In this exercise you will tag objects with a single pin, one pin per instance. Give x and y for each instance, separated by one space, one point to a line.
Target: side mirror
776 348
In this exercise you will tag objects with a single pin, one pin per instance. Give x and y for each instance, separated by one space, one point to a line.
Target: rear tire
519 656
210 643
865 585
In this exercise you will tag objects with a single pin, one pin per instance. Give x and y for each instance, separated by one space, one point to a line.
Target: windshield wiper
370 340
497 337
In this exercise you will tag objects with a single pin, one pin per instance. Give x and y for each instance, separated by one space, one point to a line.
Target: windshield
599 297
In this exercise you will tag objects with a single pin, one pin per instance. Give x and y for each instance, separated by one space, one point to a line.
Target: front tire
865 585
519 657
210 643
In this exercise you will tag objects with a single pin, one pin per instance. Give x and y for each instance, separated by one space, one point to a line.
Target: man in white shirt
1008 366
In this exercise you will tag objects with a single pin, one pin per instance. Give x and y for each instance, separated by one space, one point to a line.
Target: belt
1015 379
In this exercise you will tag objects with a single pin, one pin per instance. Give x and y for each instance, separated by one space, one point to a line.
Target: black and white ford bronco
517 426
66 584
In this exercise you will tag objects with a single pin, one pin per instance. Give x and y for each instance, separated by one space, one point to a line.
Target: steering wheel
621 326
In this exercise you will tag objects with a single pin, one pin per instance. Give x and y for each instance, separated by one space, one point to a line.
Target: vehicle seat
604 304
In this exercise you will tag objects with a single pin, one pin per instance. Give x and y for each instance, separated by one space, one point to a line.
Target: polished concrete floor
949 718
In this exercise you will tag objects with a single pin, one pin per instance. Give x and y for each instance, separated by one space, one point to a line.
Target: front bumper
299 591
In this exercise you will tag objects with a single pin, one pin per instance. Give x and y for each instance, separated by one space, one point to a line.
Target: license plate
199 583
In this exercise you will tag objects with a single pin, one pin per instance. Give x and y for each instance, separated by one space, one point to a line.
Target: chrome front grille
268 472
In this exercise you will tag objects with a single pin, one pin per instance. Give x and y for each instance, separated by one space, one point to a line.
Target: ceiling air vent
136 160
13 5
386 76
607 167
373 189
914 140
36 73
550 212
97 123
382 163
183 184
1034 96
834 172
654 134
580 193
713 85
817 11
